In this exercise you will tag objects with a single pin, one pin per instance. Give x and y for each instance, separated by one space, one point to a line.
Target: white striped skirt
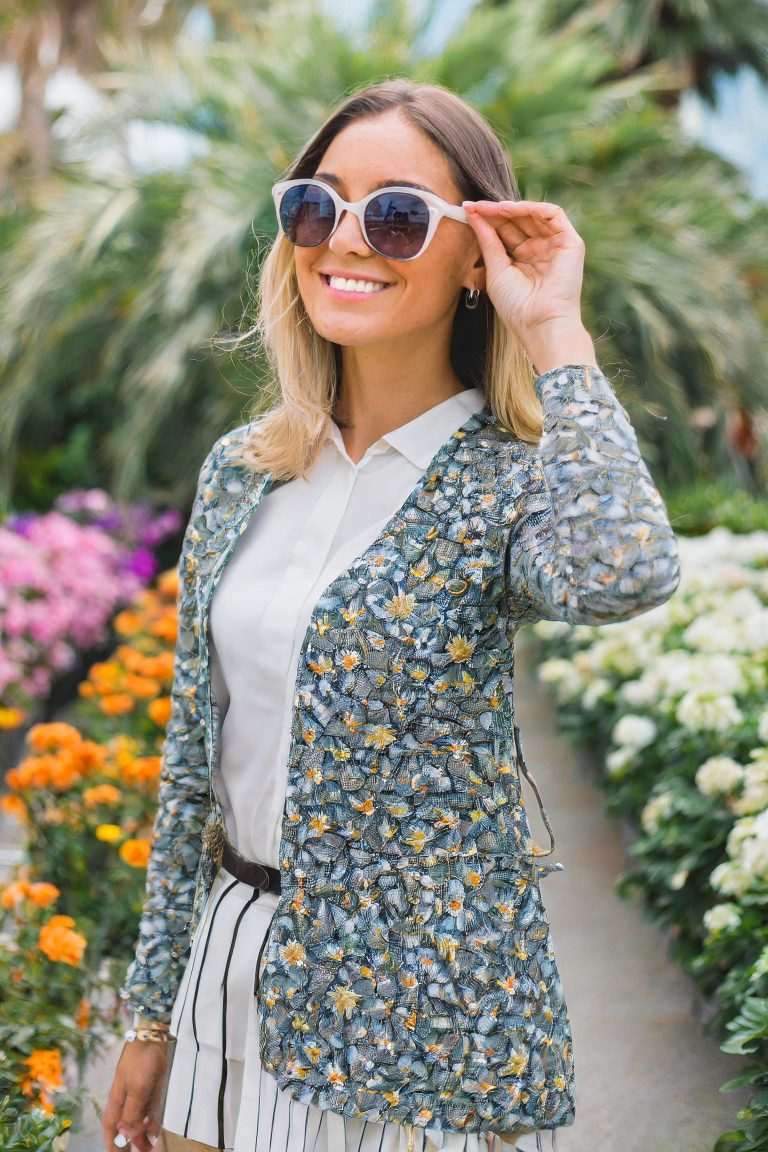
217 1092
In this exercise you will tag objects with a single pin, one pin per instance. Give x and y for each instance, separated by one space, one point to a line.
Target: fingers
532 217
132 1122
112 1114
494 252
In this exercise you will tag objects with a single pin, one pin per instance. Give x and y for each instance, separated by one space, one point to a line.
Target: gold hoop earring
472 298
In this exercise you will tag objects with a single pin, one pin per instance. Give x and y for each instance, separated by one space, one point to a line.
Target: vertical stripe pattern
218 1092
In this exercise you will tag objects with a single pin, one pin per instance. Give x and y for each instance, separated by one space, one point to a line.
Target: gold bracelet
160 1035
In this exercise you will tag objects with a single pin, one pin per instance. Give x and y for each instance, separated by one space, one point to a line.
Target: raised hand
534 263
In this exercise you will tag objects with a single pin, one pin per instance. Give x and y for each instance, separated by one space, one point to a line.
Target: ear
476 277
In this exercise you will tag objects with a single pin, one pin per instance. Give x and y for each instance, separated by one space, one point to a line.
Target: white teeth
355 285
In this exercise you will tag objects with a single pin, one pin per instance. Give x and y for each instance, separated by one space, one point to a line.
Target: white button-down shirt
300 538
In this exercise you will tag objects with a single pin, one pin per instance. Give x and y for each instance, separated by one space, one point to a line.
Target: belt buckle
265 886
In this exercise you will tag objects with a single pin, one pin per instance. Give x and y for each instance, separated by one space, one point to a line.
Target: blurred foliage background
131 233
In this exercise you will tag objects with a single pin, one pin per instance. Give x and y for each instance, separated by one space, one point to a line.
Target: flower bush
85 793
674 703
52 607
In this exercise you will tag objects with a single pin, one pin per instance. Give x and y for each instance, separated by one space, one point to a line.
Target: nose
348 236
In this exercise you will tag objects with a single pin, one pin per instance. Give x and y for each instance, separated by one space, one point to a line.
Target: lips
351 276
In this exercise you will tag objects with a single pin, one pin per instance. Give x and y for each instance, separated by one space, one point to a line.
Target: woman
343 927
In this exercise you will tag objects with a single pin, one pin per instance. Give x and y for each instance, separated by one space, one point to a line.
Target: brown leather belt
261 876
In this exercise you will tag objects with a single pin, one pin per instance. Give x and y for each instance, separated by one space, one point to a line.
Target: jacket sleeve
591 542
163 940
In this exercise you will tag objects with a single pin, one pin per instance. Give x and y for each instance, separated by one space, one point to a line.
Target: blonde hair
296 405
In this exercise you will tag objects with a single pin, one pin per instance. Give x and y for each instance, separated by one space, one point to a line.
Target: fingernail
152 1139
120 1141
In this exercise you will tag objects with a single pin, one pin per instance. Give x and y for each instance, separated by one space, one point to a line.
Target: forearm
594 543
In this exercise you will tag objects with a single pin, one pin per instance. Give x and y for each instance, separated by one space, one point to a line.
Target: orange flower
101 794
43 894
126 623
60 943
117 704
83 1014
141 686
167 583
159 710
32 772
45 1075
143 770
136 852
105 672
166 627
14 806
131 658
160 667
14 894
53 737
92 756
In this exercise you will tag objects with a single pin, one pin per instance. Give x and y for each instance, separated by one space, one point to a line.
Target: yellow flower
12 717
401 606
344 999
380 737
101 794
461 648
109 833
293 952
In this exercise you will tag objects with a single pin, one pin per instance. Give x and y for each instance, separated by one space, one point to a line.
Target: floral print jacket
408 973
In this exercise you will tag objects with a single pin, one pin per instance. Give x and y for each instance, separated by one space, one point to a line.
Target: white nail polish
120 1141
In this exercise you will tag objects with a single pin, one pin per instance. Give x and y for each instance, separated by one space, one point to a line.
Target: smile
341 285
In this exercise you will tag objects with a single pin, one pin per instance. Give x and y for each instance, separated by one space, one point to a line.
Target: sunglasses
396 222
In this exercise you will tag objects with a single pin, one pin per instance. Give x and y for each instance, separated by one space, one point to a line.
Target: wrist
560 342
140 1021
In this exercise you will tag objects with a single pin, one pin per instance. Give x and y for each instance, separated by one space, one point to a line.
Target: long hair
304 367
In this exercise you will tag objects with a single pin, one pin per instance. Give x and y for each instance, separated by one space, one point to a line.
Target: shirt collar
420 439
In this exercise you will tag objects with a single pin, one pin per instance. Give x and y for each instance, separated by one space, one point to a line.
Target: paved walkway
647 1078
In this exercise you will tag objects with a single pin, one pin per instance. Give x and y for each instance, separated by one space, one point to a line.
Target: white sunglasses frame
436 206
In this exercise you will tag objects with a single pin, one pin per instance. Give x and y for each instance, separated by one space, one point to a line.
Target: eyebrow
330 178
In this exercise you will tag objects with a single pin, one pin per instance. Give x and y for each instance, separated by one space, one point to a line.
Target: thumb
495 255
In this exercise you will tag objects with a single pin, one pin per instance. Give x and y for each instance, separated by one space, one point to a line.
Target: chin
349 331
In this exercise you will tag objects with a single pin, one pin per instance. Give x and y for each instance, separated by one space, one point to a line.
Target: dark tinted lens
396 223
307 215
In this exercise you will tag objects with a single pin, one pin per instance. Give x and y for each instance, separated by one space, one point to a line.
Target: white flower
754 797
658 808
722 918
618 761
719 775
634 731
563 675
708 710
595 692
678 879
642 693
729 879
762 727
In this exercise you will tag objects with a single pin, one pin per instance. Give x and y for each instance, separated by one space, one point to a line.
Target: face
411 295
